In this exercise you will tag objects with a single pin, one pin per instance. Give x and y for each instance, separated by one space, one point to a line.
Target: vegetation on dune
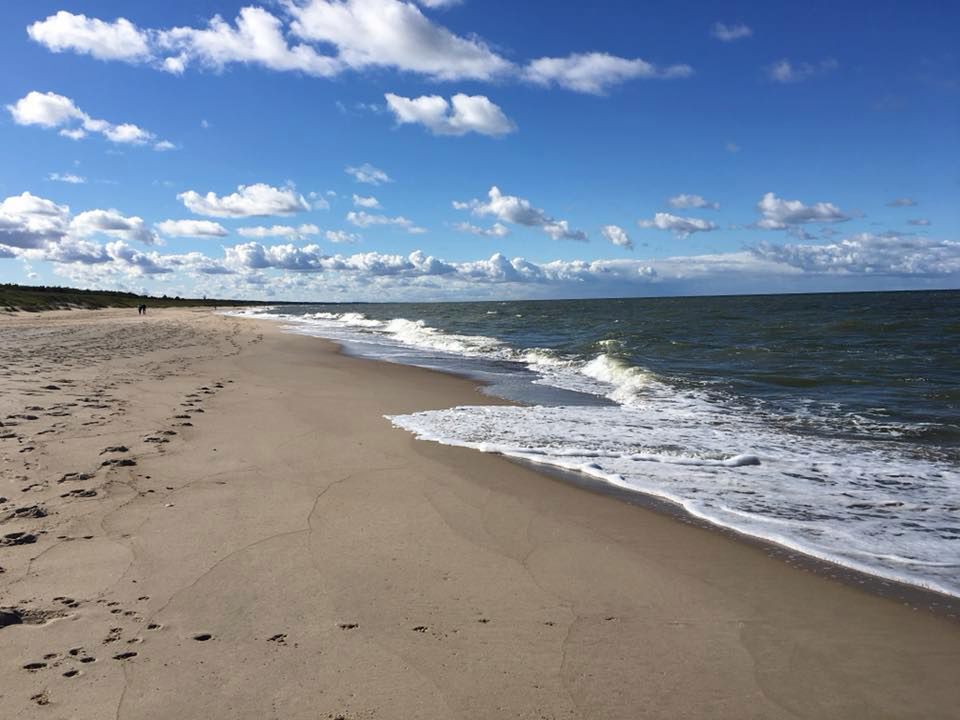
41 297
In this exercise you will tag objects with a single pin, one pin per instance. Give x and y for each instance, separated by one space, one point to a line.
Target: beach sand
208 518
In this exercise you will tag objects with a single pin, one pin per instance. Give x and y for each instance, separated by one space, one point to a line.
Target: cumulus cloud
870 254
192 228
785 71
729 33
779 214
360 33
254 200
617 235
69 178
28 221
902 202
368 174
364 219
49 110
324 38
596 72
286 231
462 115
368 202
256 37
519 211
394 34
682 227
683 201
113 224
495 230
117 40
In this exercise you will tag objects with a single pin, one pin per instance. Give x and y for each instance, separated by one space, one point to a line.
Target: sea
828 424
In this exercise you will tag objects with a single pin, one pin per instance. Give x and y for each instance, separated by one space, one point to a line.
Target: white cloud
192 228
617 235
394 34
365 202
729 33
341 236
66 178
361 33
785 71
682 227
902 202
462 115
318 201
368 174
164 145
596 72
49 110
254 200
495 230
117 40
778 214
364 219
517 210
257 37
924 222
325 38
113 224
869 254
683 201
28 221
287 231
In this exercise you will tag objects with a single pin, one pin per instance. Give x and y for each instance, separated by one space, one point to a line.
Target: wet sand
206 518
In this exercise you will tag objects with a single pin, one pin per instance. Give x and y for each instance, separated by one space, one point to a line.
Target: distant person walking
142 309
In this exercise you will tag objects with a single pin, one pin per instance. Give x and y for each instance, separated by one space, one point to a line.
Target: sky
377 150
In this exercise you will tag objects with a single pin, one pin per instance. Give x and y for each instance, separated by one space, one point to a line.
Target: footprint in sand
17 538
28 511
74 476
125 656
349 626
202 637
80 493
119 462
115 449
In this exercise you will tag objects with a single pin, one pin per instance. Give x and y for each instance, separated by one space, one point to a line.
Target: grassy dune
37 298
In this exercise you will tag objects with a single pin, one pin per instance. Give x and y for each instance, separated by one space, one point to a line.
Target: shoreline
918 596
287 553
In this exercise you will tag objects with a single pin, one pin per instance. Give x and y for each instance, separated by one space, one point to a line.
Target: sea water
829 424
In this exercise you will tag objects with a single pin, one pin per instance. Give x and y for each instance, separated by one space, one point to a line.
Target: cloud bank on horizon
534 167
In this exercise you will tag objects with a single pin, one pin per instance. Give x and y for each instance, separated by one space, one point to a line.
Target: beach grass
35 298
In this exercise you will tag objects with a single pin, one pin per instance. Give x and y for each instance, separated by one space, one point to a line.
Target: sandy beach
204 517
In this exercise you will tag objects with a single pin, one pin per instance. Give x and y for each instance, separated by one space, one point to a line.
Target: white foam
860 506
629 382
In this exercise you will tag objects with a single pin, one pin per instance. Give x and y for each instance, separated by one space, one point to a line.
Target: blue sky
531 149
